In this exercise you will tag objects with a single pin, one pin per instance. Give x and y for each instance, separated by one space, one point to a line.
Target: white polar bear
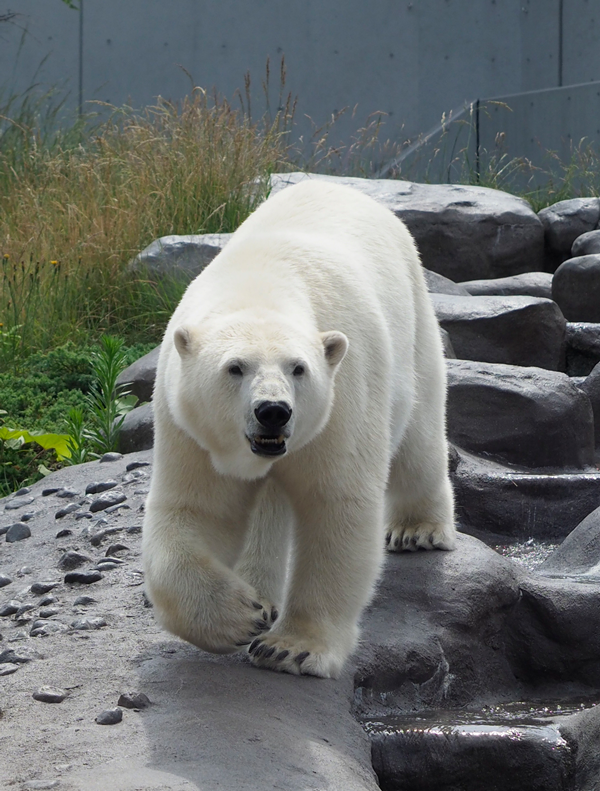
299 402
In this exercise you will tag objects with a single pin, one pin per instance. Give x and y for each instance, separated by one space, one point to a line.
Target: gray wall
414 60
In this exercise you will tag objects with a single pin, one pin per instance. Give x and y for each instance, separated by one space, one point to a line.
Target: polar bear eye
298 370
235 370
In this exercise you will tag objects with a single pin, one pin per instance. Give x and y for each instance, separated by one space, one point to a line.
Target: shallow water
528 553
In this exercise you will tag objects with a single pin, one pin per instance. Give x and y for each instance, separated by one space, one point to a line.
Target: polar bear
299 427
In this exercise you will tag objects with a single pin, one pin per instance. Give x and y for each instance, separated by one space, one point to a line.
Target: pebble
4 529
114 548
66 493
47 600
39 588
6 668
4 580
134 529
82 577
87 624
9 608
84 515
68 510
24 571
112 456
23 609
22 491
72 560
27 517
50 694
41 785
110 717
66 532
48 612
97 538
134 700
109 563
14 657
17 532
14 504
42 628
135 465
106 500
83 601
96 487
114 508
47 492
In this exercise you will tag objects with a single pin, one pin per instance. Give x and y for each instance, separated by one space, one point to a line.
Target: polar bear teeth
269 440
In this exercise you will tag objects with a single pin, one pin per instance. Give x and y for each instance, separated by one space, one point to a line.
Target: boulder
527 416
501 504
511 330
182 257
564 222
582 347
579 553
576 288
591 387
462 232
140 375
529 284
137 431
586 244
438 284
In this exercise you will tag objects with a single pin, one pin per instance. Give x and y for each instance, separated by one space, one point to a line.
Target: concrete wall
413 59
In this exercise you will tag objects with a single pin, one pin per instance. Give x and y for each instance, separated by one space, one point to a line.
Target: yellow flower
54 263
6 256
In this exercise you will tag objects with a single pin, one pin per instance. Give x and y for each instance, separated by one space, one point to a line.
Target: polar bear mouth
265 445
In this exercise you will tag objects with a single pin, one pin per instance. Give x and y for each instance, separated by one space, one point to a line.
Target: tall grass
73 214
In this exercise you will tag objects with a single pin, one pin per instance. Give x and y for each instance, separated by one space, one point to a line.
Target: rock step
511 330
510 504
526 416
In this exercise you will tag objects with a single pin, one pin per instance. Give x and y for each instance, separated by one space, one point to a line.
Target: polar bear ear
183 340
336 345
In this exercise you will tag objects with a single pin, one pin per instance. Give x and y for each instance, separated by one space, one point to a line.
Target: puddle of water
528 553
488 719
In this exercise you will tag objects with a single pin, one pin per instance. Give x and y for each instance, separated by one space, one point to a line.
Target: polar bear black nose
273 414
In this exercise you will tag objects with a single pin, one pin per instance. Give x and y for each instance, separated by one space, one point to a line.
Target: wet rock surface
529 284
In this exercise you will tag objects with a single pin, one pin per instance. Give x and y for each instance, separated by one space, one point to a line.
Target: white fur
324 277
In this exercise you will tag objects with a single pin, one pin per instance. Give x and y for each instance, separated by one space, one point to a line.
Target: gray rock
586 244
449 352
42 627
500 504
179 256
527 416
48 694
17 532
579 553
576 288
96 487
462 232
82 577
529 284
137 431
111 456
564 222
88 624
591 388
110 717
139 377
4 580
106 500
83 601
69 509
134 700
513 330
583 731
16 657
48 612
582 347
8 668
39 588
66 494
9 608
72 560
438 284
13 505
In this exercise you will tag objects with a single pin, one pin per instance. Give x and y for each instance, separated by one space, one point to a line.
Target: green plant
107 402
76 443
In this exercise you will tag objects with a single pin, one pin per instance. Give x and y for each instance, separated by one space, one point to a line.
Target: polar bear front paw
425 535
295 655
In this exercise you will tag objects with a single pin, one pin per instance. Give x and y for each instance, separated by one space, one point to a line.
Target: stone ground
212 722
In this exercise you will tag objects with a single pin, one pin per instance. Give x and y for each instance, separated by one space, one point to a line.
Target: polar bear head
254 389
